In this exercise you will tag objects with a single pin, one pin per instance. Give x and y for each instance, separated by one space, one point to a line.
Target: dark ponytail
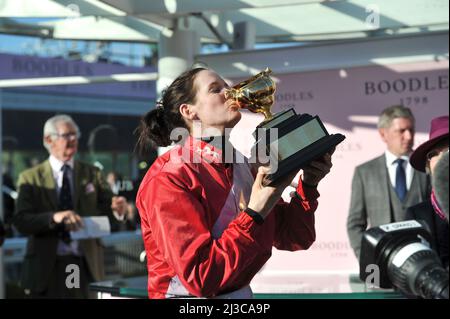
155 126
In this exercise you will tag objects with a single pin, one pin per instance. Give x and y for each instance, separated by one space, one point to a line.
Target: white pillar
244 35
177 50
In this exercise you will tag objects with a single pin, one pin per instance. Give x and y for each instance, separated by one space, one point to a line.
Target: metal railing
123 256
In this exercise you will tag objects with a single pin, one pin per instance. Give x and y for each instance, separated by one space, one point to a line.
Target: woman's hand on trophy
263 198
317 170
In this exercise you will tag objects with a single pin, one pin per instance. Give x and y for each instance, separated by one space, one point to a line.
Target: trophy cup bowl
300 138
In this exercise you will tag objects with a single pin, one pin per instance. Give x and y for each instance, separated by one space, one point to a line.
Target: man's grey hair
440 183
393 112
50 126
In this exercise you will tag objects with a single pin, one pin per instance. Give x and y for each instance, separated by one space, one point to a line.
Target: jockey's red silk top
197 239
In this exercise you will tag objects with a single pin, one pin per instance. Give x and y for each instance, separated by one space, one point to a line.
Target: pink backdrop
348 101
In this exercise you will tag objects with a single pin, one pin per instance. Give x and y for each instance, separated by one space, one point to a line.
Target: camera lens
399 255
416 270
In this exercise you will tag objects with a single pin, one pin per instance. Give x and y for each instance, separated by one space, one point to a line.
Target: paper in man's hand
94 227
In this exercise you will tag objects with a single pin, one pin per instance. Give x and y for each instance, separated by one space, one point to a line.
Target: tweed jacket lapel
48 183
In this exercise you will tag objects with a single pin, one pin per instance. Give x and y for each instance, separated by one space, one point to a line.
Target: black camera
399 255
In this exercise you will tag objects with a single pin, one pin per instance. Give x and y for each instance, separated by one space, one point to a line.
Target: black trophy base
302 158
299 139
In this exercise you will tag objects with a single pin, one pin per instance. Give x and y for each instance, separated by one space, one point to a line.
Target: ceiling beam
70 80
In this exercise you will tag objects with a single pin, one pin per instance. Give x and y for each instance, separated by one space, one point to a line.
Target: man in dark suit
52 199
424 159
384 187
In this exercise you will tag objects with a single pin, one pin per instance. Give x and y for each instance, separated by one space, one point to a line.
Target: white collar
391 158
56 164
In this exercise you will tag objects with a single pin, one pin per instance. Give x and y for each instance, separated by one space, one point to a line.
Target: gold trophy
301 138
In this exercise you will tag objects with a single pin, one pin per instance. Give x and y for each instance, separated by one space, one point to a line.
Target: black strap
254 215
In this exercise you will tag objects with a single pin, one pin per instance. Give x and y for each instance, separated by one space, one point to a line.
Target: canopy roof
274 20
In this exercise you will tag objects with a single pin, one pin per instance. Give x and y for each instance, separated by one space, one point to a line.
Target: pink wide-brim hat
438 132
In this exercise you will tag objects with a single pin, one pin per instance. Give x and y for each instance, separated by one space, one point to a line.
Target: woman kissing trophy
299 138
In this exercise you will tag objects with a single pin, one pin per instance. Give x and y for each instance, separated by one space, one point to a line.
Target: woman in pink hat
424 159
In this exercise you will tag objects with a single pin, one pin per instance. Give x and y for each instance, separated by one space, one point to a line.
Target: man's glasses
68 136
435 152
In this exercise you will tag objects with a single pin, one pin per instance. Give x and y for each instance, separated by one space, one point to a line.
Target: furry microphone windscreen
440 183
